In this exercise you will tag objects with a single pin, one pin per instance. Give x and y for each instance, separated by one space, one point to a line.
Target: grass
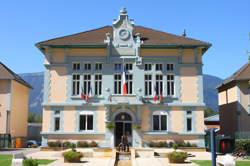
209 163
5 160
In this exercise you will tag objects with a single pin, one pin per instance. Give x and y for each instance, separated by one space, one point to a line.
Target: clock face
124 34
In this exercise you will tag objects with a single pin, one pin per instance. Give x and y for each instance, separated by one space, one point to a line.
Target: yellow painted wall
232 94
159 52
177 119
58 55
101 116
58 84
244 94
87 52
199 121
188 56
69 119
19 109
4 103
145 118
189 86
46 119
222 96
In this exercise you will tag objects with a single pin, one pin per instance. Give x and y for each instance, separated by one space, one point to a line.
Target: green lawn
5 160
209 163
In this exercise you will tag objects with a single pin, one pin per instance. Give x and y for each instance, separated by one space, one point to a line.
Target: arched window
123 116
160 119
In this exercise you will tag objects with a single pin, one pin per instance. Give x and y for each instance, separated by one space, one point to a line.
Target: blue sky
224 23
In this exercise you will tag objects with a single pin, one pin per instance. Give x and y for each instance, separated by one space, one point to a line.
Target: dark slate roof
242 74
148 35
16 77
212 118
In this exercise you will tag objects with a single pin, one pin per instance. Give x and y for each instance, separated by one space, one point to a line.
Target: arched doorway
123 125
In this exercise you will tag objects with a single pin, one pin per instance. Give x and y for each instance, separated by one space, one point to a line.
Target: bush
180 143
177 157
66 144
175 146
242 145
34 146
72 156
170 144
54 144
82 144
30 162
93 144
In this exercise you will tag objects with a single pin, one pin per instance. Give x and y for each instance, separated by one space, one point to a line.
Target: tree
210 112
34 118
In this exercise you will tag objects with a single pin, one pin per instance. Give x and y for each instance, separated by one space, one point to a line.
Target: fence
5 140
242 135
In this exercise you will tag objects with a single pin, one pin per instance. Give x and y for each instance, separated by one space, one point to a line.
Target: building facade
83 86
14 101
234 103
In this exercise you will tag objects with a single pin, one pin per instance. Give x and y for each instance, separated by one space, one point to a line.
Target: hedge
242 145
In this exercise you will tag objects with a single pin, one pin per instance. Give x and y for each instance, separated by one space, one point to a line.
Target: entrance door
123 125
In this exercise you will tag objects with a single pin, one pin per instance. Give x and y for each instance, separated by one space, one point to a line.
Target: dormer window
76 66
87 66
158 67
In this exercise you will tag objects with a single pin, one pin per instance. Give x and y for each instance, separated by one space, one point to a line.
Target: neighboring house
212 122
84 77
34 131
14 98
234 103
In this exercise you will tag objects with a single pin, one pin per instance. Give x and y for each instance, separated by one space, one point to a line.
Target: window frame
159 84
89 65
171 65
148 66
119 81
86 114
74 85
88 81
98 84
148 84
98 66
159 114
170 85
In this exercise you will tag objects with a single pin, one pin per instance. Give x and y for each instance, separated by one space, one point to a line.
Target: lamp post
212 146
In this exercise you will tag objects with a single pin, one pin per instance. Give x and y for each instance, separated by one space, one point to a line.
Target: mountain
36 94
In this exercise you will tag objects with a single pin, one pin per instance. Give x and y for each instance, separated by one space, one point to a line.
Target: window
86 122
86 83
57 123
129 78
118 66
159 84
148 85
189 124
76 66
76 84
148 67
160 121
189 112
98 84
117 83
170 85
98 66
158 67
128 66
170 67
87 66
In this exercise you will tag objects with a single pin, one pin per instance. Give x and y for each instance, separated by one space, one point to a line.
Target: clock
124 34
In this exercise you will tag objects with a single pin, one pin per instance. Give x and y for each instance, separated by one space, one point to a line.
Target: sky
224 23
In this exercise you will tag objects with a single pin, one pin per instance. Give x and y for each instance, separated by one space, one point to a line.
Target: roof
242 74
15 76
212 118
148 35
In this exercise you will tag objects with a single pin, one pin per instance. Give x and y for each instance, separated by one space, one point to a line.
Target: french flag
82 94
90 94
154 94
124 83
